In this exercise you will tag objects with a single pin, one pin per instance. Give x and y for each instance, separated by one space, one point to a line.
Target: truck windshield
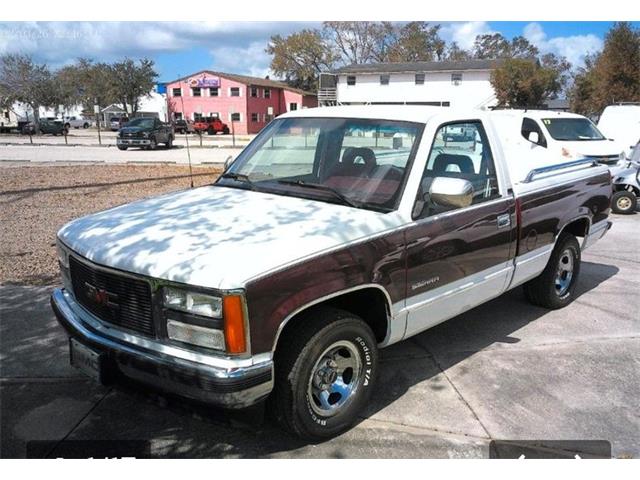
356 162
572 129
141 122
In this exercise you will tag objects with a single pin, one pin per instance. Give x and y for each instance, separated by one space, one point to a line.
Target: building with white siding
463 84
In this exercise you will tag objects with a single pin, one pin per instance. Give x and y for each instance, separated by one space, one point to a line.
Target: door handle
504 220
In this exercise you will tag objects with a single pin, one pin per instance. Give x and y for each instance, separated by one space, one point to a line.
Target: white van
622 123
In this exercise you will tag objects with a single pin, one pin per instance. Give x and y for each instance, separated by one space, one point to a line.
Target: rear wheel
211 131
85 125
555 287
325 373
623 202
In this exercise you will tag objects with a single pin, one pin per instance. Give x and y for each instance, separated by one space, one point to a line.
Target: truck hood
134 129
218 237
592 148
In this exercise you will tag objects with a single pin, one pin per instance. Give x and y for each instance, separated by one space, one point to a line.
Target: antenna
186 137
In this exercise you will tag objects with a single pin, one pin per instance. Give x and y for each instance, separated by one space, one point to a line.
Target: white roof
407 113
535 114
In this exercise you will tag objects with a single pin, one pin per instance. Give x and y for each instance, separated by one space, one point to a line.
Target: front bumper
226 385
133 142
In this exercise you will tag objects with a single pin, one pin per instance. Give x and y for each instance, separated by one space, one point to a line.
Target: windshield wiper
240 177
301 183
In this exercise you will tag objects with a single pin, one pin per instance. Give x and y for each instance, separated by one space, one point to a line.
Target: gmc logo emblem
100 296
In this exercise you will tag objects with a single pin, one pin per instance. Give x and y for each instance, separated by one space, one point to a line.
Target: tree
22 80
132 81
456 54
495 45
522 82
88 83
416 42
359 42
612 75
300 57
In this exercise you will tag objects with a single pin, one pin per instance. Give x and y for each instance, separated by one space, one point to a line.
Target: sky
182 48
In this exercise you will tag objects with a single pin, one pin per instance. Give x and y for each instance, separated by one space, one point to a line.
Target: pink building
245 104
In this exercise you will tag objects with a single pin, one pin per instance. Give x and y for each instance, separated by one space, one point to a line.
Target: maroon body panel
443 250
545 213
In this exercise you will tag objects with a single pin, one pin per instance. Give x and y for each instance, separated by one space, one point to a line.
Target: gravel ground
35 201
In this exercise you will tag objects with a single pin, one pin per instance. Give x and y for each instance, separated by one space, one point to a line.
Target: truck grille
113 297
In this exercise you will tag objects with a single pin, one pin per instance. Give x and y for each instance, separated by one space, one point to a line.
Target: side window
460 150
530 125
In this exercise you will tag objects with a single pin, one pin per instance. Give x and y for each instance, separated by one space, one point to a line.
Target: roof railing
585 162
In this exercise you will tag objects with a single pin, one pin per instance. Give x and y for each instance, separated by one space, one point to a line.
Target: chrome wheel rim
624 203
334 379
564 273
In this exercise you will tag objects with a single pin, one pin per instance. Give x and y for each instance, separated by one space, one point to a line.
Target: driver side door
458 257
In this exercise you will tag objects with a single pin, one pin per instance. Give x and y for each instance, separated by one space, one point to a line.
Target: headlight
192 302
145 134
196 335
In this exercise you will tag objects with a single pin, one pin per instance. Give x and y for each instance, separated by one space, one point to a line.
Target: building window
267 93
293 106
214 115
176 92
234 92
196 92
351 80
456 78
267 118
235 117
384 79
213 92
254 92
197 117
254 117
177 115
419 78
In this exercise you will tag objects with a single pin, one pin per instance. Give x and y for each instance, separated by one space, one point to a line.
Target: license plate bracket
88 361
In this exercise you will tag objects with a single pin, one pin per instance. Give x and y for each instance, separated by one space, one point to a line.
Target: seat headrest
442 161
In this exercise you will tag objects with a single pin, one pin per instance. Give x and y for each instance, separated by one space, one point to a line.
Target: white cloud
574 47
251 60
464 34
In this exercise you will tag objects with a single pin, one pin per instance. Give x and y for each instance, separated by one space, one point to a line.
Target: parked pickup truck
336 232
145 133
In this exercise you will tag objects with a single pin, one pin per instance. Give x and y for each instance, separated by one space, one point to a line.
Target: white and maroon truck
336 232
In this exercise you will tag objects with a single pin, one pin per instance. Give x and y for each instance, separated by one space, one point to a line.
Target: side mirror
227 163
533 137
451 192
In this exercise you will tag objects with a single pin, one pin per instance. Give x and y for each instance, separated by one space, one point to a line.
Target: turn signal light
234 328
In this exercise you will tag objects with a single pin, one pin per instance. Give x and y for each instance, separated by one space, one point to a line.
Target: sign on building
205 81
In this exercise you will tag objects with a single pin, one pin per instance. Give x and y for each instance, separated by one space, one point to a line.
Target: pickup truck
145 133
548 134
336 232
76 122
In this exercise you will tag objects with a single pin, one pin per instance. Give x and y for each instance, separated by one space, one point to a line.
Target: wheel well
370 304
578 228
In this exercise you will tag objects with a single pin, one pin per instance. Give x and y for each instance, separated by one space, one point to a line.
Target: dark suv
145 133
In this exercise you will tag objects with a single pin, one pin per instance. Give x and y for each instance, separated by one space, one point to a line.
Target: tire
624 202
555 287
169 143
211 131
323 334
85 126
225 131
152 143
122 147
67 126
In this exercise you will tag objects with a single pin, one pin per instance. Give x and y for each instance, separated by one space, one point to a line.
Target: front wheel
169 143
152 143
325 373
623 202
122 147
85 126
555 287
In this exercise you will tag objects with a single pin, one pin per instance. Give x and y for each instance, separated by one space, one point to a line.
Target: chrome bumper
225 385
